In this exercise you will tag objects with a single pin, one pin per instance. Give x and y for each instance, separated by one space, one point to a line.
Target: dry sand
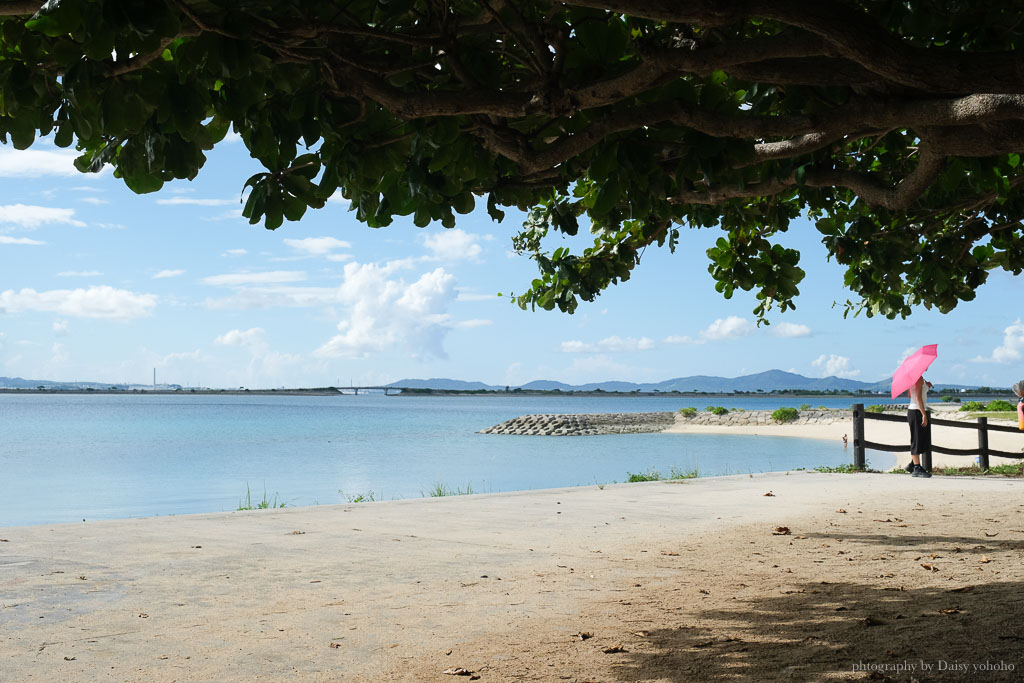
788 577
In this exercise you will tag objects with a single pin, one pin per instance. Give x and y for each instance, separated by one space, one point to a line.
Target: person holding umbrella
910 377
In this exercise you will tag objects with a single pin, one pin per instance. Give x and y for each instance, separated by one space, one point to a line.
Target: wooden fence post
983 443
858 436
926 457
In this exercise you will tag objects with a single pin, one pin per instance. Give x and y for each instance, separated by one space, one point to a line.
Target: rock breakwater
584 424
588 424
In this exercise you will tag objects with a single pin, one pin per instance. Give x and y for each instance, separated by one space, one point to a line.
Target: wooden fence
983 452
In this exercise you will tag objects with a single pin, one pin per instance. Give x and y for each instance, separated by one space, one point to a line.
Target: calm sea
64 458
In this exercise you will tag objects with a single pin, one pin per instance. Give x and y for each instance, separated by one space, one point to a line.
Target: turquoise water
68 457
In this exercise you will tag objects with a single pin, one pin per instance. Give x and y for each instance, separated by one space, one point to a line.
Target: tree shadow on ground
849 631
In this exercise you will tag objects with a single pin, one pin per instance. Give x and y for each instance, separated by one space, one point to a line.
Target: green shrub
875 409
947 399
718 410
650 475
785 414
689 411
972 406
1000 405
806 406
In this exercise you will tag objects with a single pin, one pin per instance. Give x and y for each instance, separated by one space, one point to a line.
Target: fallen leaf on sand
781 531
770 494
613 649
583 635
4 540
335 645
930 567
69 659
143 615
991 535
457 671
447 652
984 559
642 634
295 533
841 511
669 553
933 556
950 610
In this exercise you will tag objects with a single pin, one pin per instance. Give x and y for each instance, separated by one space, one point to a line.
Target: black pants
920 437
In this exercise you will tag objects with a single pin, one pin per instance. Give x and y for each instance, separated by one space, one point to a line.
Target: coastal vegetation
881 121
261 504
652 474
785 414
439 490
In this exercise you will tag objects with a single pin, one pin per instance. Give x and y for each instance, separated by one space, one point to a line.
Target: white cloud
237 279
452 245
60 327
168 273
271 297
95 200
834 365
30 163
94 302
385 313
613 344
677 339
236 252
4 239
1012 348
320 246
192 201
28 216
250 337
475 322
79 273
790 330
471 296
727 328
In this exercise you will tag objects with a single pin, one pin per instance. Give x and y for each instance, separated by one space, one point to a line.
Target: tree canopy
896 126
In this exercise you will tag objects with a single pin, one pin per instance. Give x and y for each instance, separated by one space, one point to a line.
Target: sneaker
920 472
910 467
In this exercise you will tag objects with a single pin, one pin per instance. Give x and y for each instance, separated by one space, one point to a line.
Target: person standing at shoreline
920 430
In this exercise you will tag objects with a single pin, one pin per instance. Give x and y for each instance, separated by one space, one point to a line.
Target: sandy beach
880 432
796 576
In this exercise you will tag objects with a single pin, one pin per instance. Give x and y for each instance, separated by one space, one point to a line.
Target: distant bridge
355 390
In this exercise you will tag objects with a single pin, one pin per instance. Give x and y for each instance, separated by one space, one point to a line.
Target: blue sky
100 284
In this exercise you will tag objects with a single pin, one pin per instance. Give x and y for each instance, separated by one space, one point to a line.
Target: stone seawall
587 424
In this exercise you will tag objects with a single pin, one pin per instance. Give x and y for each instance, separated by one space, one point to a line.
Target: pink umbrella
912 368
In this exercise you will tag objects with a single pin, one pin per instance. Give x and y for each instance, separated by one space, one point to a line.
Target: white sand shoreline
877 431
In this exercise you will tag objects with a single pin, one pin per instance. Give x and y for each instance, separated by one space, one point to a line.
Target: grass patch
262 504
785 414
998 415
689 411
840 469
1012 470
674 474
358 498
442 490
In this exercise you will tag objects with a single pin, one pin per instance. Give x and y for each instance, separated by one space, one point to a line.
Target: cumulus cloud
250 337
271 297
385 312
94 302
320 246
236 252
790 330
1012 348
722 328
5 239
834 365
168 273
613 344
268 277
30 163
94 200
28 216
452 245
60 327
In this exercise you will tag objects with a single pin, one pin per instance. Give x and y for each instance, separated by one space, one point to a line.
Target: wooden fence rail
983 452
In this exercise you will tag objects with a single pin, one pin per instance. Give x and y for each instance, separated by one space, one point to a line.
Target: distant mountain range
771 380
